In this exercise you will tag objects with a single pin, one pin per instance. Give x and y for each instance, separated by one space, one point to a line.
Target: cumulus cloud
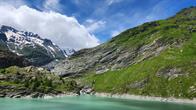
63 30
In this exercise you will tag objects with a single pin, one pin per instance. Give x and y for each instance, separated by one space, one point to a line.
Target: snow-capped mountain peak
32 45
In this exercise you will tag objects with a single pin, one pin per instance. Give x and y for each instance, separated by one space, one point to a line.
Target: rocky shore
19 92
118 96
24 93
147 98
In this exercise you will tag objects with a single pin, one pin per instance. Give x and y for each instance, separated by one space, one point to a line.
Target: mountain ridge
154 59
121 50
39 51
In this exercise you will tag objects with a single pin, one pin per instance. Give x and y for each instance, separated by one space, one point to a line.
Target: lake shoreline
147 98
121 96
49 96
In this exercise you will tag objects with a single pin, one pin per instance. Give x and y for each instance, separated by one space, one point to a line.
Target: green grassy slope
170 73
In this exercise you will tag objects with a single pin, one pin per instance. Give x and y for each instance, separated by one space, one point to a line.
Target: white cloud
156 10
93 25
110 2
52 5
62 30
15 3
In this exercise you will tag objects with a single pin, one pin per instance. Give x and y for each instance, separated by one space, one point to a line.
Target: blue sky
114 16
85 23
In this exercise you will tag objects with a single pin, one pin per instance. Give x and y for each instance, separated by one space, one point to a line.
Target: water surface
88 103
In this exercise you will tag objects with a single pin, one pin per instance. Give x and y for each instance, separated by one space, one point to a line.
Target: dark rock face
9 59
7 28
18 92
3 37
13 91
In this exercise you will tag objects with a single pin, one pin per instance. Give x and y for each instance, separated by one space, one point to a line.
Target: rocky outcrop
107 57
138 84
170 72
8 58
32 82
19 92
86 90
14 91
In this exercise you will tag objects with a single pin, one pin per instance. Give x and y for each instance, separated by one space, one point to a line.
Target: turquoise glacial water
88 103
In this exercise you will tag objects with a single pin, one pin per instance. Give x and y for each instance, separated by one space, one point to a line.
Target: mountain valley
157 58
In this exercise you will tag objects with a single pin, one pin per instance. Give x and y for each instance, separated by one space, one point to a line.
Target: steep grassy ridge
167 70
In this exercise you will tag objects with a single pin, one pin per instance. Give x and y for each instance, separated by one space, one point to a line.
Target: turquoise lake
88 103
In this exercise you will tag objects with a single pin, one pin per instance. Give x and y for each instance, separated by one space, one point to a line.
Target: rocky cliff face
8 58
132 46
